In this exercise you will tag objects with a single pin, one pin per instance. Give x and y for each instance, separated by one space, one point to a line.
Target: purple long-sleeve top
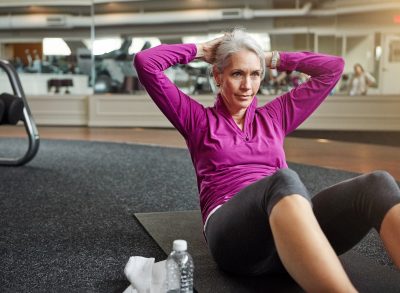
227 159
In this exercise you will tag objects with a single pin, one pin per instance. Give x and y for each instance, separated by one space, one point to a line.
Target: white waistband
209 215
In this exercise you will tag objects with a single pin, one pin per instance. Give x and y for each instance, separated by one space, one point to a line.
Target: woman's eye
256 74
236 74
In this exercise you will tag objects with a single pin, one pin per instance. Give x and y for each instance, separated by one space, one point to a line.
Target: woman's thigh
238 233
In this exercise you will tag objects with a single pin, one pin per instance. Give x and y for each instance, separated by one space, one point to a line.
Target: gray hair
233 42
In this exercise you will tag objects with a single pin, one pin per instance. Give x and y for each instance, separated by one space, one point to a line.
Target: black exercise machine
14 108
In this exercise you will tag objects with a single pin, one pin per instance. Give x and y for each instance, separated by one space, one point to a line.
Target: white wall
360 49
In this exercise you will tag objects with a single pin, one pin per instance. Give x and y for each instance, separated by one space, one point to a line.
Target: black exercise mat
66 217
367 276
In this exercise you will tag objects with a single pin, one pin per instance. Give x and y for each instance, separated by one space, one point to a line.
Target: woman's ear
216 75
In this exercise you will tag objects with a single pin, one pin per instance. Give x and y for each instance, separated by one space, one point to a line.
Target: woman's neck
238 114
239 117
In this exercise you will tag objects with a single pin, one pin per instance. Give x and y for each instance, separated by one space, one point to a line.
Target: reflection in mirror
119 29
5 85
113 63
115 74
50 65
44 46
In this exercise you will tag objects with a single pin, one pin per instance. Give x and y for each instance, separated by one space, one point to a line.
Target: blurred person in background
360 81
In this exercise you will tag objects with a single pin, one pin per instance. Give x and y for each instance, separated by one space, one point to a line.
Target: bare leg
390 233
304 249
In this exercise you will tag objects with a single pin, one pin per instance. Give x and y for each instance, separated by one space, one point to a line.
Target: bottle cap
179 245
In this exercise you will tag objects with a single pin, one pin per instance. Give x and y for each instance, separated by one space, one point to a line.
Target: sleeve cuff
284 63
193 51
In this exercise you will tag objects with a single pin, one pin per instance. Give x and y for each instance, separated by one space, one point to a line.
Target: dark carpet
67 220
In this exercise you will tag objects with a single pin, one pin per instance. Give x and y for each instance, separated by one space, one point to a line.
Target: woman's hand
207 51
268 58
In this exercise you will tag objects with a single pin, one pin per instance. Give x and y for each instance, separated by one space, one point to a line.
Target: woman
360 81
258 216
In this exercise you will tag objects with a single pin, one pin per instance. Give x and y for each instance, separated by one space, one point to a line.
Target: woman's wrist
268 57
272 59
276 58
200 51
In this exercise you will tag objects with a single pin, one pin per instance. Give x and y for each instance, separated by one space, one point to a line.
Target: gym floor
366 152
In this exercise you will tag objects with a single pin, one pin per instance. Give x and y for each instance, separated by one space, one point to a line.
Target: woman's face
358 70
240 80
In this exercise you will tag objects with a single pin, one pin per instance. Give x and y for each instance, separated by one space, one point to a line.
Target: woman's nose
246 83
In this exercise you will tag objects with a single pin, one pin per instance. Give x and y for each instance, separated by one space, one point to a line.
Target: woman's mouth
244 97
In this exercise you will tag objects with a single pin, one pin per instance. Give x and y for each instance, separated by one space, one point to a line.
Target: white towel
144 275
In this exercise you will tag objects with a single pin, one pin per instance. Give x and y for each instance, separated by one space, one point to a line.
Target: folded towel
159 277
144 275
130 290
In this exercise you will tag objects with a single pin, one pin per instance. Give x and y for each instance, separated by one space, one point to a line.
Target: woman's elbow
336 67
137 61
340 64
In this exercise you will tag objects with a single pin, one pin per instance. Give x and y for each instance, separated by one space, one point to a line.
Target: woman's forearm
325 67
150 64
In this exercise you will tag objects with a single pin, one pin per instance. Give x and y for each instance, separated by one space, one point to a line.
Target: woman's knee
379 178
379 185
286 174
285 182
379 193
373 184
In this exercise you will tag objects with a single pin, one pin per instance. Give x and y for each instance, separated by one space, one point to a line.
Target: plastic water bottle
179 269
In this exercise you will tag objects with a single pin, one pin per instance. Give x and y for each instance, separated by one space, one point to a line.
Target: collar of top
223 110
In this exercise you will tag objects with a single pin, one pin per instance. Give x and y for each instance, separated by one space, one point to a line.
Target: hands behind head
206 51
